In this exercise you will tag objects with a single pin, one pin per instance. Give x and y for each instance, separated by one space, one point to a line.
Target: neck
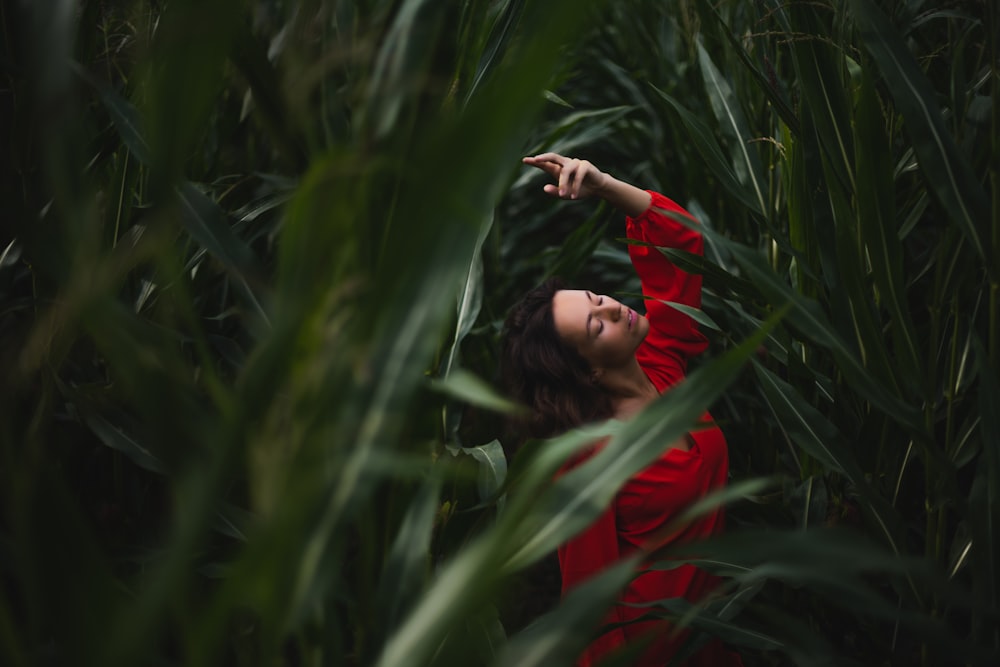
630 388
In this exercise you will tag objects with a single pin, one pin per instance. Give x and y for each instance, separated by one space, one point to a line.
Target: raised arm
673 336
580 179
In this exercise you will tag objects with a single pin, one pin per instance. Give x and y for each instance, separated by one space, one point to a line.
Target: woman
575 357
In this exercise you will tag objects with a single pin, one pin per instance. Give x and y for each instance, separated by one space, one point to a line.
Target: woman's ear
595 376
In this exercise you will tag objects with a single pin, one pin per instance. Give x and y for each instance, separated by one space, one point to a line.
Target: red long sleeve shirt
650 499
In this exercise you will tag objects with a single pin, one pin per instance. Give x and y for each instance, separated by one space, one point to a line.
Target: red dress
648 501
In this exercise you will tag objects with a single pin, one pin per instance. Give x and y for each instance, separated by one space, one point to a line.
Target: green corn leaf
117 439
470 299
711 153
732 633
578 251
821 440
538 461
807 427
561 635
502 31
734 491
811 221
852 307
207 224
467 387
695 314
125 116
715 277
984 503
203 219
492 469
776 96
805 315
408 562
446 602
947 171
837 564
401 59
820 552
698 315
824 93
184 74
734 126
476 639
269 104
233 521
876 219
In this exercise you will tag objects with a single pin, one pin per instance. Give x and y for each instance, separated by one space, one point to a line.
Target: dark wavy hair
544 373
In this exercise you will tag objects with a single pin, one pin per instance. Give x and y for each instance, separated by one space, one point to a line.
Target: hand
576 179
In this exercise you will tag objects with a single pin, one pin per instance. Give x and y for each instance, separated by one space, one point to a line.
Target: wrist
629 199
608 187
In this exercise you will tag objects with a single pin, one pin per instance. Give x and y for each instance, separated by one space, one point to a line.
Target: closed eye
597 300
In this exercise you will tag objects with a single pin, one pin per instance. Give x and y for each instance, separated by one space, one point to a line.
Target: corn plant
256 257
843 158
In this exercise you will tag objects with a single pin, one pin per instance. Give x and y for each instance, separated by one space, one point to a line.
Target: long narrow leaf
711 153
818 437
947 171
985 504
408 562
116 438
207 224
806 315
876 219
501 32
823 85
730 117
558 637
770 86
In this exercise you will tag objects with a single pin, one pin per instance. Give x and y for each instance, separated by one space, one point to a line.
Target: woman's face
605 332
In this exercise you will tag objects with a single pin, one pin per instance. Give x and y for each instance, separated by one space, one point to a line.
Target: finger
550 157
577 179
549 167
539 160
566 176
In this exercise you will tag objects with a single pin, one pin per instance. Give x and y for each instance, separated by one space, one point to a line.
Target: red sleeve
673 336
588 554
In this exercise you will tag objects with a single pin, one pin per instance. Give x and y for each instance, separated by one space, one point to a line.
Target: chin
642 324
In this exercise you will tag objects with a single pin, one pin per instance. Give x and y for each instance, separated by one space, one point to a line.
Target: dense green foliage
256 254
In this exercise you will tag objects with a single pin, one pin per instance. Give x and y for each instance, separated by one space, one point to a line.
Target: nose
611 308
